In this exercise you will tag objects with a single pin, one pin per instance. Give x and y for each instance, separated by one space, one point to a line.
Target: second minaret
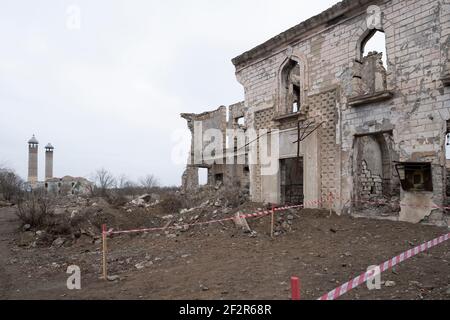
48 161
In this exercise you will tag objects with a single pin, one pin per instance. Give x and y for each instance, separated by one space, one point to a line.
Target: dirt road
222 262
8 227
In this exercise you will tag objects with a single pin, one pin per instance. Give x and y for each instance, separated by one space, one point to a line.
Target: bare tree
104 181
149 182
125 186
11 184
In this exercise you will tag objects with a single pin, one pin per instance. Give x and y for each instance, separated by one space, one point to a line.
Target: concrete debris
26 238
241 222
390 284
140 265
59 242
113 278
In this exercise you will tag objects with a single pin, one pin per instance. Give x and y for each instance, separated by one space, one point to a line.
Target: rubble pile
78 220
145 201
380 206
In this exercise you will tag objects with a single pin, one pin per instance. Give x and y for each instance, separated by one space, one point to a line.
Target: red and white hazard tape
318 202
346 287
247 216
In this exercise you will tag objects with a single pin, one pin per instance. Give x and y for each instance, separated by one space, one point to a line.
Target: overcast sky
109 94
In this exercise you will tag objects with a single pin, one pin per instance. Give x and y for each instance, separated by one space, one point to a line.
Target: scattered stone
347 254
59 211
113 278
253 234
241 222
204 288
285 226
290 217
390 284
26 227
73 214
26 238
140 265
59 242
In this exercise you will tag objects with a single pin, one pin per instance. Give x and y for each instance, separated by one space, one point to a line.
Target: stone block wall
417 43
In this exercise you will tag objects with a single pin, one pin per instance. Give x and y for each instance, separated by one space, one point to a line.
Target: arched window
291 88
375 42
370 69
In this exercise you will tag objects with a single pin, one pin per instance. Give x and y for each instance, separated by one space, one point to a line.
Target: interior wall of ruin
220 172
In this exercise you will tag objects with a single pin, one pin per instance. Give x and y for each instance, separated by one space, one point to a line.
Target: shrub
172 203
10 185
35 209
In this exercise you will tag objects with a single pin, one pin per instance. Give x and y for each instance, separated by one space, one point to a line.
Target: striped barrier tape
106 233
331 197
346 287
246 216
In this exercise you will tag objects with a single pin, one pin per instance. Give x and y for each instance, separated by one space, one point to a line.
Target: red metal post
295 288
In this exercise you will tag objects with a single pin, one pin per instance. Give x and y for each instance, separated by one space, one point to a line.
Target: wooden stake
104 237
331 203
272 221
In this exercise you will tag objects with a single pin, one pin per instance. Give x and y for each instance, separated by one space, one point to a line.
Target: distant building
68 185
64 185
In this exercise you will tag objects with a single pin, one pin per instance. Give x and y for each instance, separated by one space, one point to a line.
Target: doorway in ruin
203 178
375 189
291 173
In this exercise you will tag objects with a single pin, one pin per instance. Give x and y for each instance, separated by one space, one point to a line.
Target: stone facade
316 72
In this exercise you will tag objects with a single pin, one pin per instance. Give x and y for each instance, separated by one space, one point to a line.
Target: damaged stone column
189 179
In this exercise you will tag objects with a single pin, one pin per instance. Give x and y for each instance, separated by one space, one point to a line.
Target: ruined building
374 132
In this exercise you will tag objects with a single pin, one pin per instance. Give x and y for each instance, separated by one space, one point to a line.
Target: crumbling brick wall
219 170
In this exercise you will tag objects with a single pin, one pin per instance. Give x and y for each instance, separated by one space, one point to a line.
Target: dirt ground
222 262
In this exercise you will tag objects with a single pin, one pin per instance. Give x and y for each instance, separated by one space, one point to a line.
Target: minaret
48 161
33 160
